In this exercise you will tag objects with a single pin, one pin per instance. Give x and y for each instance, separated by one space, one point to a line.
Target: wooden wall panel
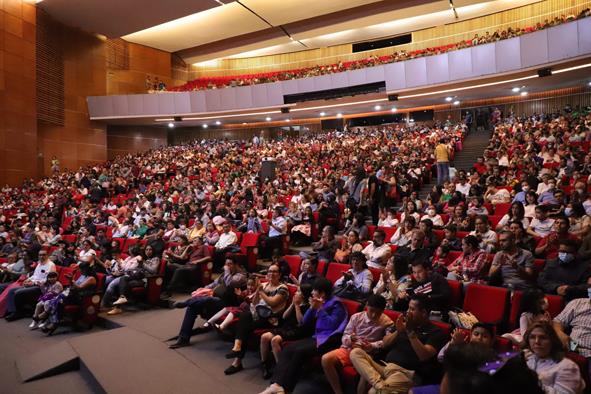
519 17
143 61
122 140
79 142
18 128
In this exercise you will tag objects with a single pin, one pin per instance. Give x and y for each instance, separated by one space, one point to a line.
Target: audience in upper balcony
372 60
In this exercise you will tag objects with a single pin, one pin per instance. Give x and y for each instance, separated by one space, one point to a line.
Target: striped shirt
577 316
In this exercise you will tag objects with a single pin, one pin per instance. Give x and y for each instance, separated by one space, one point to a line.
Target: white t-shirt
542 227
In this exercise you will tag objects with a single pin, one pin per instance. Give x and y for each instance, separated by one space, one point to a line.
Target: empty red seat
487 303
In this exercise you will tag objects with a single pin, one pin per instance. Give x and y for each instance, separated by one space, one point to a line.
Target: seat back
389 231
487 303
456 293
321 267
515 308
502 208
446 328
351 306
294 262
555 304
371 230
335 271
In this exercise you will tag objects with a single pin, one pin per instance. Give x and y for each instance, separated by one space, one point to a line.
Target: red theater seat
294 262
335 271
487 303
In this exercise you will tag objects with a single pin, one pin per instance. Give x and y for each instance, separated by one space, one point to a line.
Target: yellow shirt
441 153
196 233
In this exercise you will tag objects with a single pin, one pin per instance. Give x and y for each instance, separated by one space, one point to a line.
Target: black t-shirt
404 355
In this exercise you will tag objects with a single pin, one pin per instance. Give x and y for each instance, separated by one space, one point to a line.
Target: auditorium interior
297 196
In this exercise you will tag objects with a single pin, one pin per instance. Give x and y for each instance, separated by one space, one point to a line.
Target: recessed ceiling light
523 93
448 99
457 102
589 83
205 126
394 109
243 122
288 120
217 122
268 118
377 107
324 113
170 125
339 115
515 89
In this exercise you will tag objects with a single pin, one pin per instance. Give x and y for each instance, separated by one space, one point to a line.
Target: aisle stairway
473 147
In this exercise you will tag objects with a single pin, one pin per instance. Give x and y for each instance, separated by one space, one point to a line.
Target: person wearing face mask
567 275
433 216
520 197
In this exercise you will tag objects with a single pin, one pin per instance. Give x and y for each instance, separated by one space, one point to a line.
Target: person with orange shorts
365 330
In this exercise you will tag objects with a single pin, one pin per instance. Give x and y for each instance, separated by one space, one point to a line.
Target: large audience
373 60
518 220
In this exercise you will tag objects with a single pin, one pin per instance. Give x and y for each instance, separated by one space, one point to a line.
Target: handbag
263 311
462 319
135 274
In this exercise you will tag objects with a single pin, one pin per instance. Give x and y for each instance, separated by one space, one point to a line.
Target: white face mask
431 212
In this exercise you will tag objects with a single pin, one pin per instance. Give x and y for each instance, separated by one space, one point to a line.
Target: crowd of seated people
373 60
180 205
178 211
539 255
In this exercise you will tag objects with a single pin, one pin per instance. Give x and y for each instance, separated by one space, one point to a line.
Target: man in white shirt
277 231
377 252
30 291
541 225
463 187
497 196
544 185
228 242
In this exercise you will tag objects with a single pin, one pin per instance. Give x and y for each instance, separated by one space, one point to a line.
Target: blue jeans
20 296
442 172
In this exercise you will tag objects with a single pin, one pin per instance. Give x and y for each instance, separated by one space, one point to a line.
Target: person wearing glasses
269 303
29 291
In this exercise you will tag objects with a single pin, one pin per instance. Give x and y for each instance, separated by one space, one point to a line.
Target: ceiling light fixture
268 118
243 122
339 115
589 84
217 122
516 89
523 93
324 113
394 109
571 68
457 102
448 99
229 116
482 85
171 125
288 120
339 105
205 126
377 107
